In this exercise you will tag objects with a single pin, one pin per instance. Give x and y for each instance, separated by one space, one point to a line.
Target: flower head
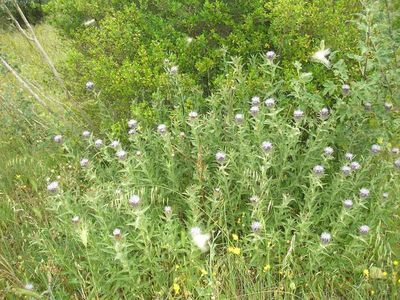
298 114
321 55
134 200
318 170
388 106
254 199
162 129
75 219
132 123
200 239
364 229
28 286
355 165
89 85
364 193
270 102
266 146
345 89
375 149
397 163
254 110
325 238
57 138
395 150
115 144
189 39
168 210
220 156
349 156
256 226
348 203
89 22
328 151
255 101
132 131
367 106
271 55
324 113
84 162
239 118
346 170
385 195
121 154
193 115
117 233
173 70
53 186
86 134
98 143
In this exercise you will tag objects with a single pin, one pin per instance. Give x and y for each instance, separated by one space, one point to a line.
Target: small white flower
193 115
173 70
256 226
89 85
348 203
255 101
271 55
355 165
349 156
132 123
138 153
84 162
321 56
220 156
182 135
134 200
324 113
328 151
364 229
53 186
388 106
121 154
367 106
325 238
375 149
395 150
397 163
254 199
199 239
132 131
28 286
162 128
115 144
318 170
239 118
58 138
266 146
298 114
75 219
86 134
385 195
168 210
270 102
364 193
89 22
254 110
346 170
98 143
345 89
117 233
189 39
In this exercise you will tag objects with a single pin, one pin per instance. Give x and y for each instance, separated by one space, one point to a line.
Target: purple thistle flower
134 200
349 156
345 89
86 134
220 157
115 144
117 233
270 102
84 162
121 154
364 229
57 138
266 146
348 203
256 226
271 55
239 118
346 170
98 143
367 106
254 110
75 219
132 123
89 85
375 149
328 151
53 187
364 193
324 113
255 101
298 114
388 106
318 170
355 165
162 129
325 238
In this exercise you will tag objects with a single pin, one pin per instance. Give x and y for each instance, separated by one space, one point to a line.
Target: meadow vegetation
227 154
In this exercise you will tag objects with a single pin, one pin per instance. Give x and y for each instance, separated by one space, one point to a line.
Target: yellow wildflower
234 250
384 274
366 273
177 267
372 292
176 288
395 263
267 267
235 237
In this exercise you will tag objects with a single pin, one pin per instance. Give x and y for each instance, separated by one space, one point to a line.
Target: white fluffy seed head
57 138
53 186
220 156
134 200
239 118
174 70
364 229
162 129
86 134
200 239
364 193
254 110
375 149
348 203
121 154
270 102
325 238
255 101
84 162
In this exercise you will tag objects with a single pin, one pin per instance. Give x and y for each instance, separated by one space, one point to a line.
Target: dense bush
124 52
33 10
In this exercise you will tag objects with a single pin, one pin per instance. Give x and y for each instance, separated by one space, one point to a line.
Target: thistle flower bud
388 106
162 129
98 143
28 286
345 89
349 156
84 162
254 199
324 113
266 146
375 149
325 238
254 110
117 233
355 165
193 115
75 219
57 138
256 226
328 151
271 55
220 156
298 114
346 170
364 193
53 187
397 163
132 123
367 106
121 154
173 70
270 102
134 200
86 134
115 144
318 170
239 118
348 203
395 150
168 210
89 85
255 101
364 229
